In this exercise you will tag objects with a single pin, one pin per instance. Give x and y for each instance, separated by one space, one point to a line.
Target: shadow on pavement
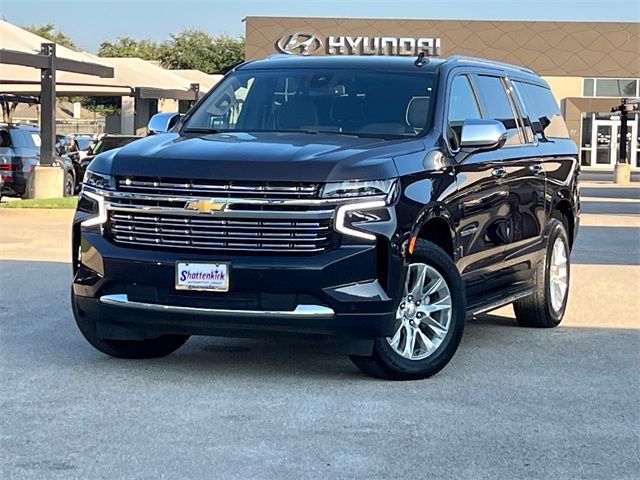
607 246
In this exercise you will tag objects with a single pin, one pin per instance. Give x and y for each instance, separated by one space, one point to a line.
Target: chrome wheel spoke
434 286
418 281
558 275
395 341
426 341
436 327
409 341
438 306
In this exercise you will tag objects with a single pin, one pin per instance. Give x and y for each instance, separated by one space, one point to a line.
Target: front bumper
129 293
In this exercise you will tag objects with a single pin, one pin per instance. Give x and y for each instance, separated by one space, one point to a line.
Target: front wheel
429 320
131 349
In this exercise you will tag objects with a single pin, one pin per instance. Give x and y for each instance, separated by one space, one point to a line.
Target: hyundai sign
299 43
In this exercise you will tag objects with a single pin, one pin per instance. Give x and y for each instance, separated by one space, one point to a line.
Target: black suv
374 201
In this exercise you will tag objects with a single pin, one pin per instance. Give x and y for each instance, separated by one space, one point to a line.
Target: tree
196 49
48 31
129 47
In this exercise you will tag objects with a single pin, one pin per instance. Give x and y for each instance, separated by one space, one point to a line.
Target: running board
498 299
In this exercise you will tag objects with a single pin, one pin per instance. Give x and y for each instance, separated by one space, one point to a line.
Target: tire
386 362
129 349
538 310
69 185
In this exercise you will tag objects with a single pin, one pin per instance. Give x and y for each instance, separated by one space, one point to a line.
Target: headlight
365 188
92 202
362 209
99 180
346 215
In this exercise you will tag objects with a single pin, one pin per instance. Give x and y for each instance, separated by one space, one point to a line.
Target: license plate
202 276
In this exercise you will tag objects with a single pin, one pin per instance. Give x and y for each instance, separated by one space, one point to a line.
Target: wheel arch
563 210
435 224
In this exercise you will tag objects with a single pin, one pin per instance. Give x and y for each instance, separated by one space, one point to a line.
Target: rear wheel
130 349
69 184
429 320
546 307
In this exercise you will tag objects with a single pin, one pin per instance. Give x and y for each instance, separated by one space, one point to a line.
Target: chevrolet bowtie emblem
205 206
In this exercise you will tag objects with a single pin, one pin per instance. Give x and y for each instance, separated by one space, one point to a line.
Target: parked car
376 201
101 143
19 154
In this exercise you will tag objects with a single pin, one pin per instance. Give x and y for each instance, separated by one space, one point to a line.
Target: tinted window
25 138
542 110
462 105
497 106
521 111
377 103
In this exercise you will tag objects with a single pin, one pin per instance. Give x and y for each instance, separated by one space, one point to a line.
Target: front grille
203 188
248 217
208 233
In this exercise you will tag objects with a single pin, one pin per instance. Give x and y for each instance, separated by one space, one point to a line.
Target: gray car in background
19 155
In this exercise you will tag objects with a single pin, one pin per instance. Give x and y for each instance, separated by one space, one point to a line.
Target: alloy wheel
558 275
423 317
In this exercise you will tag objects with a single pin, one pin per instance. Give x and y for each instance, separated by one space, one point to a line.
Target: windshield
84 142
360 102
109 143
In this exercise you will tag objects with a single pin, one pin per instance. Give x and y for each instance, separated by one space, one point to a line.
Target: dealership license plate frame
220 289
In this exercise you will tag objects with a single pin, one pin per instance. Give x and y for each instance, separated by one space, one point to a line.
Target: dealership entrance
601 141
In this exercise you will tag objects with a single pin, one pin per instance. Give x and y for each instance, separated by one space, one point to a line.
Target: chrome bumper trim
301 311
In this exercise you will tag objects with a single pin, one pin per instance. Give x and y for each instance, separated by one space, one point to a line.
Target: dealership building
590 66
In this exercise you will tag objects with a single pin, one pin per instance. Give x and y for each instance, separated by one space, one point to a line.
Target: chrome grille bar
226 189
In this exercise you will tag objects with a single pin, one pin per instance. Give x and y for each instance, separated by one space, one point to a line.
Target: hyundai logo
298 44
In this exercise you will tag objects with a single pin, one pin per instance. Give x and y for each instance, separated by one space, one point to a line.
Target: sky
89 22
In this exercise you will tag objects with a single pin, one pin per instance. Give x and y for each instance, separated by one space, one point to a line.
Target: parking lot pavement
513 403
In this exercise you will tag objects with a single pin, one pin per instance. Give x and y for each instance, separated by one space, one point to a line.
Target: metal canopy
29 50
39 60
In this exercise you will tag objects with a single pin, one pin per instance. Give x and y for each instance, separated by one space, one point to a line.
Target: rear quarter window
543 110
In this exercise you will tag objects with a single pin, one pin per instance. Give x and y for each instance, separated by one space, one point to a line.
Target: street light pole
622 171
624 116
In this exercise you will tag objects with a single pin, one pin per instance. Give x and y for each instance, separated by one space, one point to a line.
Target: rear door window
462 106
497 106
543 110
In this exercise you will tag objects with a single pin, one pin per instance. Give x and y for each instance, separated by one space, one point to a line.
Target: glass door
631 142
603 143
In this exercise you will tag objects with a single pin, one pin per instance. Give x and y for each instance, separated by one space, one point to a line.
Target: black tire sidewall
434 256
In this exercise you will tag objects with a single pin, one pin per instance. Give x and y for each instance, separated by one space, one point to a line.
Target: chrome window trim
301 311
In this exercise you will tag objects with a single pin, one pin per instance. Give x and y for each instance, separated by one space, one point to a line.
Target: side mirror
482 134
163 122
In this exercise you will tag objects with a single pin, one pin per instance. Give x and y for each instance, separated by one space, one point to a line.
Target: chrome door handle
537 169
499 172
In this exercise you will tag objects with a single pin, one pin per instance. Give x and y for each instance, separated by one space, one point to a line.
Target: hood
297 157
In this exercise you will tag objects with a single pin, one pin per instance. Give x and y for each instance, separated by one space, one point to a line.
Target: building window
589 86
610 87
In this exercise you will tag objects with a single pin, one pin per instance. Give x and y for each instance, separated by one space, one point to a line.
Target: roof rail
278 55
486 61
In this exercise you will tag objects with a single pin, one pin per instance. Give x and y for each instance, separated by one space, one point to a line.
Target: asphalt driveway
513 403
